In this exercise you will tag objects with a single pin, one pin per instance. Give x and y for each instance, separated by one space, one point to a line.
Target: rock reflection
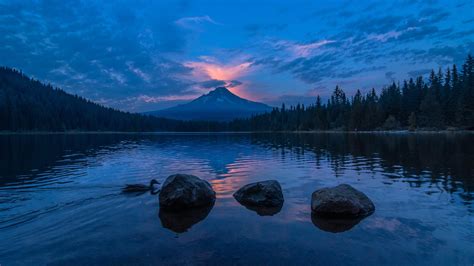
181 221
264 211
335 225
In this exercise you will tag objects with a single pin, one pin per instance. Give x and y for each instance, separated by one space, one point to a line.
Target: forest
29 105
444 101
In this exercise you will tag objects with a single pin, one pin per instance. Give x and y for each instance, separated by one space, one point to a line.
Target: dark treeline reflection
441 159
30 155
24 154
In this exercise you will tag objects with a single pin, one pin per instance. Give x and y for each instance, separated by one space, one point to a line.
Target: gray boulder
342 201
182 191
264 194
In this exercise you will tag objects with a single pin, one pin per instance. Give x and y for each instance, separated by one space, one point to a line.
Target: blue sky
147 55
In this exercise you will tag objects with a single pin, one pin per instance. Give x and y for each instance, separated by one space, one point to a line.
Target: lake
61 200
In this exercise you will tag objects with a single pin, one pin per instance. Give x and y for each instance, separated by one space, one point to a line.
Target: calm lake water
61 200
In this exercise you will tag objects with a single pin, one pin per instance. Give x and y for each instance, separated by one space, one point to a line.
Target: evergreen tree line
28 105
445 100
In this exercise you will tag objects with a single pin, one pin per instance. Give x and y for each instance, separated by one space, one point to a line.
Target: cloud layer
142 55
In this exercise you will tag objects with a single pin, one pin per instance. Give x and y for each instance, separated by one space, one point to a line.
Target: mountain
218 105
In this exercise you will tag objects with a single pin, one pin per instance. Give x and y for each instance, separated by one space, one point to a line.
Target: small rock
182 191
264 194
342 201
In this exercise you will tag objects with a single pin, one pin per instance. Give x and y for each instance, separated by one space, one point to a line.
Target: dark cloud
468 21
233 83
330 13
95 50
354 72
389 75
376 24
419 72
450 54
441 55
411 33
346 14
212 83
460 34
370 38
119 51
462 4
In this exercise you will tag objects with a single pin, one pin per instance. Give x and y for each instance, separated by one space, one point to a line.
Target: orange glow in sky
210 69
217 71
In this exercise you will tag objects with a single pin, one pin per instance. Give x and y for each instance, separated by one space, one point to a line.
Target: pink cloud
213 70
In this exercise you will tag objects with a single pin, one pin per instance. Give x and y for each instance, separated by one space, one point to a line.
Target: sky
147 55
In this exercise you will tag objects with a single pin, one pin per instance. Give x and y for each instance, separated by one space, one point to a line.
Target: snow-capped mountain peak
218 104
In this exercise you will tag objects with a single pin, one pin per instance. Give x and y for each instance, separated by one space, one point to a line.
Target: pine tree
431 115
446 97
357 112
468 84
412 121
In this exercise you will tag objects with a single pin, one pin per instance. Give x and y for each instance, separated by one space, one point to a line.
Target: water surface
61 200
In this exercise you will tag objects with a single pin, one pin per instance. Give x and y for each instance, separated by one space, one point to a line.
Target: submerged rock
181 221
182 191
342 201
261 194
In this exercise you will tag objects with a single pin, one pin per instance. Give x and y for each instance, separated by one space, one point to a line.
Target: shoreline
235 132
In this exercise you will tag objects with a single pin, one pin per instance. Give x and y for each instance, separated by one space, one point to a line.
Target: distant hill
29 105
218 105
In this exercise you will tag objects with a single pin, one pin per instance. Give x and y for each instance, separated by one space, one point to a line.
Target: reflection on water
181 221
334 225
265 210
61 200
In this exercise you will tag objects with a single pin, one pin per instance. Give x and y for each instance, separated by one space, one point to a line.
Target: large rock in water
263 194
182 191
342 201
